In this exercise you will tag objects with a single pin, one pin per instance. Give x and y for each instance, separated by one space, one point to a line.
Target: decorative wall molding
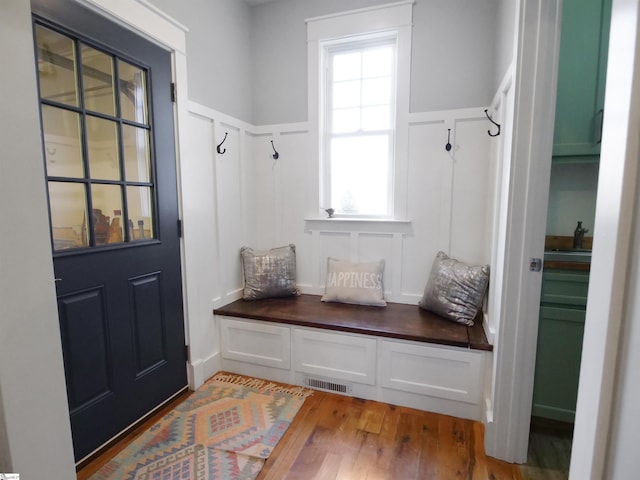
448 212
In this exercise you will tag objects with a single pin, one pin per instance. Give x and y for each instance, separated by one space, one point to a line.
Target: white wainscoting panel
471 199
202 285
256 343
264 202
376 246
447 373
339 356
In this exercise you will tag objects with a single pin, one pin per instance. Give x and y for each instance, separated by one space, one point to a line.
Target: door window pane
136 153
107 213
97 81
140 214
62 144
102 145
97 142
56 66
133 92
68 215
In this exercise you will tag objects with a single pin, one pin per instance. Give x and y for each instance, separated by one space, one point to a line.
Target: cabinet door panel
581 76
565 287
558 362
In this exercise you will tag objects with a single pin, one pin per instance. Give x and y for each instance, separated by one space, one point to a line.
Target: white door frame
536 60
617 184
537 55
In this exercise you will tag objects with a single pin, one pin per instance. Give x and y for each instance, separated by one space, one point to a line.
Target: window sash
361 45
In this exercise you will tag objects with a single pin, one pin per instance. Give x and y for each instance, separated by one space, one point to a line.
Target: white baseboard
200 371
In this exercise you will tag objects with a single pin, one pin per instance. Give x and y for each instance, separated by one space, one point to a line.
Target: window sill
377 225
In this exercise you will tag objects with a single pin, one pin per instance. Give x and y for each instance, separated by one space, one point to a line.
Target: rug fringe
259 384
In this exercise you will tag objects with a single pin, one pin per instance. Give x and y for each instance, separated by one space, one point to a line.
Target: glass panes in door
97 143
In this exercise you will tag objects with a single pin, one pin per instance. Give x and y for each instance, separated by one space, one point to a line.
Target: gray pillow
359 283
455 290
269 273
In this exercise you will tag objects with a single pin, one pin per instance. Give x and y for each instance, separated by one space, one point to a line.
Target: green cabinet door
581 77
559 349
555 388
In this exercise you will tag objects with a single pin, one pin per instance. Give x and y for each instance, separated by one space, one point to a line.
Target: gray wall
218 52
279 47
251 62
505 40
453 58
572 197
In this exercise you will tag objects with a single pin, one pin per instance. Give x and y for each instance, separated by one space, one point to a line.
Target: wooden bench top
396 320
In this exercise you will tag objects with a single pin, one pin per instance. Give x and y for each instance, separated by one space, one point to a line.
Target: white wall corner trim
212 114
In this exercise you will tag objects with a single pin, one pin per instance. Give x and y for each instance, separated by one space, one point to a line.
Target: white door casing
536 63
608 296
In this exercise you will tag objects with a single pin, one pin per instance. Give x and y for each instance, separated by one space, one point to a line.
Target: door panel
83 329
110 161
145 294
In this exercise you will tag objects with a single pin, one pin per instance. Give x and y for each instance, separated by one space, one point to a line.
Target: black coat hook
218 149
275 154
447 147
496 124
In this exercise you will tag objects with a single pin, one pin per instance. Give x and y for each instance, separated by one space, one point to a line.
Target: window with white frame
359 125
359 69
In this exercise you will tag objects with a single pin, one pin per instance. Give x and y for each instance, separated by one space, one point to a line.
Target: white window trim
395 17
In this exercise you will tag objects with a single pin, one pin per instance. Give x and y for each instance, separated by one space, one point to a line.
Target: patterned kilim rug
225 430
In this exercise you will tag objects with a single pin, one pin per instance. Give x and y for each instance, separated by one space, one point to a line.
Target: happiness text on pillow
354 279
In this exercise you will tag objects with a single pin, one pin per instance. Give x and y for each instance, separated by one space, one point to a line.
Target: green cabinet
560 332
581 79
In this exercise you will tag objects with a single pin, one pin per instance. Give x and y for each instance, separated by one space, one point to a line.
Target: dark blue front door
108 144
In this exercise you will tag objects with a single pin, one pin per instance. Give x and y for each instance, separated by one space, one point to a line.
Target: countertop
568 259
577 255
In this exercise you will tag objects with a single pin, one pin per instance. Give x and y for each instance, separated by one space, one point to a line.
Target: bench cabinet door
447 373
258 343
340 356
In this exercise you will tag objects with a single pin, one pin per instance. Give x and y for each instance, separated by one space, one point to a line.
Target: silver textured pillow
455 290
359 283
269 273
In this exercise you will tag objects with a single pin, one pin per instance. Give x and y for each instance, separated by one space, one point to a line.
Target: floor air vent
328 385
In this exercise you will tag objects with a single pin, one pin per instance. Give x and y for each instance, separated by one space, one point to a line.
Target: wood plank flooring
337 437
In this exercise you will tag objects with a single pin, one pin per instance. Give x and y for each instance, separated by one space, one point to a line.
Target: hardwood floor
338 437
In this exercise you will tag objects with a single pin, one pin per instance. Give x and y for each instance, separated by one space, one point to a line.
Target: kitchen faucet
578 235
